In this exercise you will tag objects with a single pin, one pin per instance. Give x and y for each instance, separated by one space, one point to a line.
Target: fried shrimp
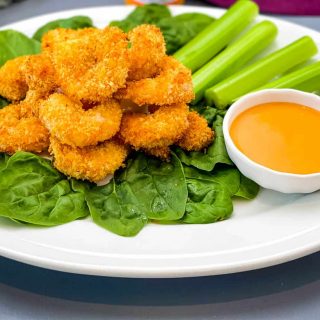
146 52
198 135
172 85
39 74
160 152
51 38
159 129
90 64
72 125
13 84
20 130
92 163
33 72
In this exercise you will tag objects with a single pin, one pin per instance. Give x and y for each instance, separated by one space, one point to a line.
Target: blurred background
305 12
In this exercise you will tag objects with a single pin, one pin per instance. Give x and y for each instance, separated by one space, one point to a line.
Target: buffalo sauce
281 136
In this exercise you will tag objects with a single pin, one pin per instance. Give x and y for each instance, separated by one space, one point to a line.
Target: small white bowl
266 177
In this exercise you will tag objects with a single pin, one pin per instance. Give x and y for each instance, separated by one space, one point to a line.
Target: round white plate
271 229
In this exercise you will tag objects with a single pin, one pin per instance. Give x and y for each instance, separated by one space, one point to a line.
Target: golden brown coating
21 130
92 163
159 129
39 74
146 52
198 135
27 73
91 64
172 85
160 152
72 125
13 84
51 38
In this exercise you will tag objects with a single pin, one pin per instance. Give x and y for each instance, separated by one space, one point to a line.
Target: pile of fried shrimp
92 95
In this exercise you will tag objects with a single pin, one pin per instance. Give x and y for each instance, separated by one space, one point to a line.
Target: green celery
222 94
217 35
305 79
234 57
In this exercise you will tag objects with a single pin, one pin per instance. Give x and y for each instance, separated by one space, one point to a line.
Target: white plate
272 229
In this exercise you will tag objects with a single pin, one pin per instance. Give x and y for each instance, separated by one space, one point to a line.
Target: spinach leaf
76 22
159 186
146 189
116 208
3 102
248 189
32 191
149 14
180 29
209 195
216 152
228 178
14 44
207 112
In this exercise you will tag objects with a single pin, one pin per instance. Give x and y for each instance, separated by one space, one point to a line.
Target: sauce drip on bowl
280 135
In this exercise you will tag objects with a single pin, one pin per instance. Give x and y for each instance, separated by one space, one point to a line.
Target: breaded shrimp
72 125
159 129
172 85
198 135
88 163
146 52
160 152
21 130
52 37
39 74
91 64
13 84
33 72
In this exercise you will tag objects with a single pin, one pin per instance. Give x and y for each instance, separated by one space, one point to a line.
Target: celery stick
260 72
234 57
305 79
217 35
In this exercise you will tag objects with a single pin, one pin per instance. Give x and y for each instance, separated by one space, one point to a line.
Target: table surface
288 291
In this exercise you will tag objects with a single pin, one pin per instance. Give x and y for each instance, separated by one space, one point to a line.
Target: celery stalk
217 35
233 57
305 79
260 72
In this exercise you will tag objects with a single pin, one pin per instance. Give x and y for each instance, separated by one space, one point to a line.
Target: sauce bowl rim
234 108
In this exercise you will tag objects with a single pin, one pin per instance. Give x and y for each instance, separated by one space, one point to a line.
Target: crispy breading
146 53
91 64
21 130
72 125
159 129
22 74
13 84
160 152
172 85
198 135
92 163
39 74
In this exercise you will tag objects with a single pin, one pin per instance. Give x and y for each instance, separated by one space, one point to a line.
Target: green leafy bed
194 187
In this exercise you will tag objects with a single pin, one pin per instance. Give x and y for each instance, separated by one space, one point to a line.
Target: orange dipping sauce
280 135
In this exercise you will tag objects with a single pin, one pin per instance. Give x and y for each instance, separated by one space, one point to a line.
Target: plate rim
170 272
